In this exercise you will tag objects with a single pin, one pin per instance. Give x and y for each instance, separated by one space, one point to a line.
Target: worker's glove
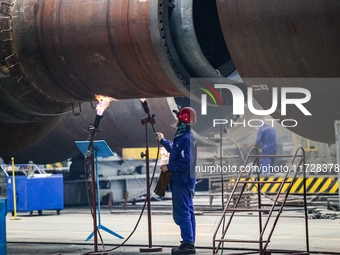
159 136
162 184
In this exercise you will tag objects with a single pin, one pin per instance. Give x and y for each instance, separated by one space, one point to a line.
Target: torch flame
103 103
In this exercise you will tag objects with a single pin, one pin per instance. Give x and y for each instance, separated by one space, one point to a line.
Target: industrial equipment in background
122 177
34 192
120 180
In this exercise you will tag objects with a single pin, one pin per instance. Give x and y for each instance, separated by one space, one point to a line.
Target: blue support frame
101 149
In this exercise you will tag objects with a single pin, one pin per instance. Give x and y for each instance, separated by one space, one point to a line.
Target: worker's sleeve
183 156
166 144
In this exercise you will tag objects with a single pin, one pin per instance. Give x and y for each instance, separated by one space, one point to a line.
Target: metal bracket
73 111
21 77
6 30
9 65
93 107
9 30
9 4
2 8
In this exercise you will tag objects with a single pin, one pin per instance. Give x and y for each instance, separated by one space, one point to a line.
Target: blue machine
34 192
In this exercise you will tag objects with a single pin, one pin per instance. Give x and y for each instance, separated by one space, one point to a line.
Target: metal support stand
152 121
91 150
94 205
100 226
14 193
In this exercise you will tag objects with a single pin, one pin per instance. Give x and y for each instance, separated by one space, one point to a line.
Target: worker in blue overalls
266 139
182 162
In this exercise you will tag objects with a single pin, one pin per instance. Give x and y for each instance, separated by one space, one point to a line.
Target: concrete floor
66 233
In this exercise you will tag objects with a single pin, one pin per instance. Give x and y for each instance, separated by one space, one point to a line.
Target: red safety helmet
187 115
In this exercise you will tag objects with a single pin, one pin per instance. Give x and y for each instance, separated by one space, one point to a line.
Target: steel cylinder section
288 39
112 48
61 52
56 54
197 38
72 50
282 38
196 45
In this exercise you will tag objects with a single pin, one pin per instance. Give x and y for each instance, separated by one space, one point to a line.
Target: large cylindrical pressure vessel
58 54
294 40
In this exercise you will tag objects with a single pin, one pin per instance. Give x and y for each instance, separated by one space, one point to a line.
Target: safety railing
248 177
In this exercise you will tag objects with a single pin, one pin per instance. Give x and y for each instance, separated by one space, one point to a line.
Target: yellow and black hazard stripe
314 185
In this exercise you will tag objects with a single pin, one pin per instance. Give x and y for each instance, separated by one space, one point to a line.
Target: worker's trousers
267 163
183 212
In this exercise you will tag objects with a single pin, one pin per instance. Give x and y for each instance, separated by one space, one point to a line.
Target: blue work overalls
182 164
266 138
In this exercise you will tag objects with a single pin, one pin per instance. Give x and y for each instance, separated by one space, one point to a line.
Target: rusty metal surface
291 39
57 54
282 38
108 48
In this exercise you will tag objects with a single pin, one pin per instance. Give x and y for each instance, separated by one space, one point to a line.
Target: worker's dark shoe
184 248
